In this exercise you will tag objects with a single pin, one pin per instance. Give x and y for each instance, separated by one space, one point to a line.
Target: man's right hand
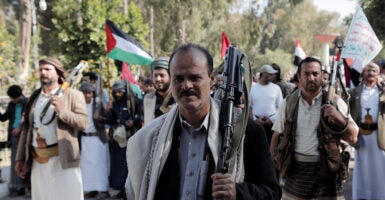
20 171
109 106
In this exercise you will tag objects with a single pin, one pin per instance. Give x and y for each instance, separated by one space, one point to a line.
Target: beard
313 86
162 89
46 81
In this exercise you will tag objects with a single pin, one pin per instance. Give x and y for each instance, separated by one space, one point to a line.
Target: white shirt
91 128
48 132
306 140
265 100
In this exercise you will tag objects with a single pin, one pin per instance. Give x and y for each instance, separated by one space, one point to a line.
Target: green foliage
374 11
278 56
80 27
303 21
8 51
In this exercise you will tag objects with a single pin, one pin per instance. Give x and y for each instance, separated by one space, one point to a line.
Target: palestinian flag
122 47
299 53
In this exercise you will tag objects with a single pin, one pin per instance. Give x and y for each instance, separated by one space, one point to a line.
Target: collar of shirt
315 99
201 128
51 93
369 88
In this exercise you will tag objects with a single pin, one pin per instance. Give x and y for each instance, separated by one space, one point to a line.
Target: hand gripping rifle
233 88
335 73
66 84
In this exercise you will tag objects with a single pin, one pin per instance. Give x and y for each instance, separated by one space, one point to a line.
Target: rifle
233 88
332 89
66 84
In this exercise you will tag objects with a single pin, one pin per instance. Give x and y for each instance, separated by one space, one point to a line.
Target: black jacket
260 178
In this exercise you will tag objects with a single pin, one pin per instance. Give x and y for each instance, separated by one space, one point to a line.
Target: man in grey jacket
48 144
174 156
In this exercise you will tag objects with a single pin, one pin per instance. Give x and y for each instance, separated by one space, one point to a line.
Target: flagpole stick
108 79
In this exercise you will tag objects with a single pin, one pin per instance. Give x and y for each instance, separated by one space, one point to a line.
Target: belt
42 155
369 127
306 158
87 134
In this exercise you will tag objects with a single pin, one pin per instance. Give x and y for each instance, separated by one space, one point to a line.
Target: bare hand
333 116
16 132
20 169
57 102
260 121
129 123
109 106
223 186
268 121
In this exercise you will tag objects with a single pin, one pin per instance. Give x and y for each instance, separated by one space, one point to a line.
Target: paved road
347 192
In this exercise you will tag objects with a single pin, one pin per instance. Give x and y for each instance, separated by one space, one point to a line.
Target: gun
66 84
332 89
233 88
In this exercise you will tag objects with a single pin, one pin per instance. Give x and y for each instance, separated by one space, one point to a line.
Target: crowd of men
85 143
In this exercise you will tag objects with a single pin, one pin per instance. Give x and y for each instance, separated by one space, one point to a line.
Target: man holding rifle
48 142
309 152
175 155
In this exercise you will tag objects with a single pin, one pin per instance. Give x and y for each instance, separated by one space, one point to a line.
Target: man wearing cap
95 157
90 77
14 115
367 105
160 101
48 142
124 116
266 98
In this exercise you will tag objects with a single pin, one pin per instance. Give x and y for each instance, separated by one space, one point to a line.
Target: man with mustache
301 155
160 101
48 143
175 155
367 104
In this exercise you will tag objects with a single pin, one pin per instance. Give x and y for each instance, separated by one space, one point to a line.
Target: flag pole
108 79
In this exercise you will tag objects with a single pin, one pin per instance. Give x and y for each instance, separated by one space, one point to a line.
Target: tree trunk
152 30
24 39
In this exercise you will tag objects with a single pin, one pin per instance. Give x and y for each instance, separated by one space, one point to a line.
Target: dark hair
147 82
187 47
14 91
276 67
308 60
92 75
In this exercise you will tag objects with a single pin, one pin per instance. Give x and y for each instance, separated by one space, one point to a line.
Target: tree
8 50
80 27
374 11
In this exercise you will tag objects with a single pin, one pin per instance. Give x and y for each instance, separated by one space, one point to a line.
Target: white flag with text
361 42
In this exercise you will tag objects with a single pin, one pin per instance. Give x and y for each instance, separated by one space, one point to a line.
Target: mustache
188 93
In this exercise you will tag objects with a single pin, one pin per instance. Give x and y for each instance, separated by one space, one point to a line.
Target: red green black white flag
121 46
299 53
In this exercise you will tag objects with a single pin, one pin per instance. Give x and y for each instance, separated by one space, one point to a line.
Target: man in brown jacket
48 143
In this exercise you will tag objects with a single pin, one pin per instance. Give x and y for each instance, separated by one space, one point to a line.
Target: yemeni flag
122 47
225 44
299 53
